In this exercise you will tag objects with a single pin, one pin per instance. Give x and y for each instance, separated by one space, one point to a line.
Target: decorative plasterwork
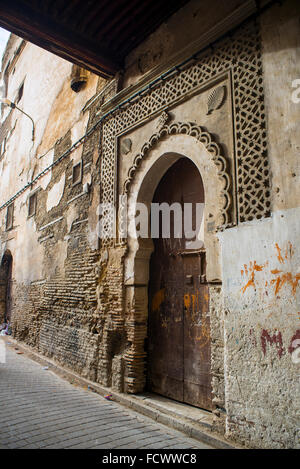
238 55
126 146
216 99
162 121
212 147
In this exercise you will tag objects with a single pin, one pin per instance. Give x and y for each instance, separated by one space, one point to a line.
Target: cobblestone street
42 410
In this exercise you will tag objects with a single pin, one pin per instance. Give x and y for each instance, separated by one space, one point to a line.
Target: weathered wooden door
8 290
5 287
179 325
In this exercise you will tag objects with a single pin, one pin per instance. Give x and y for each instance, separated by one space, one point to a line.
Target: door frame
177 272
143 182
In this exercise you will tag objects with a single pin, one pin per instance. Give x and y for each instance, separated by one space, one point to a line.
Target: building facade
216 326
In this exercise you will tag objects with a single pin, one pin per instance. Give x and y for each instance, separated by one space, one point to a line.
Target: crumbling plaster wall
55 254
53 106
260 263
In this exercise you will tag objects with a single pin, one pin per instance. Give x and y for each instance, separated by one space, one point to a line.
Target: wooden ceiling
95 34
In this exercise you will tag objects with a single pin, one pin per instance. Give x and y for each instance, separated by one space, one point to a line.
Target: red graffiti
276 339
293 344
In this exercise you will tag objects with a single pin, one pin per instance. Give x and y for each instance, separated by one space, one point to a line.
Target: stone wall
84 302
55 271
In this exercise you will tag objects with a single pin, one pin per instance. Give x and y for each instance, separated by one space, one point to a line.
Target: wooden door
8 291
5 287
178 326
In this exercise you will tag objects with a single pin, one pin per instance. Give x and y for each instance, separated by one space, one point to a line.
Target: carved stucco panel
240 56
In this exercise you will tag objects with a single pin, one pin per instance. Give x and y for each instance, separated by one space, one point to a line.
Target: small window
77 173
9 216
32 205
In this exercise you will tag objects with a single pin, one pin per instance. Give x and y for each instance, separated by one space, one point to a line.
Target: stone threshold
193 422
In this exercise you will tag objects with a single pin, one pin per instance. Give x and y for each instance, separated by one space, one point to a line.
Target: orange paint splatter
275 271
253 268
279 256
283 278
158 299
250 283
259 268
286 278
187 300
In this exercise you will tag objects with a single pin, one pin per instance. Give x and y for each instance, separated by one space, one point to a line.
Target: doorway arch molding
157 155
215 151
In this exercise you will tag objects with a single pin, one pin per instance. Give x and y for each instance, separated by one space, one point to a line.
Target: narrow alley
43 410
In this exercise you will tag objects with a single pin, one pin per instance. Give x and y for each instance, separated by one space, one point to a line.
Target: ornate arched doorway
150 166
179 322
5 287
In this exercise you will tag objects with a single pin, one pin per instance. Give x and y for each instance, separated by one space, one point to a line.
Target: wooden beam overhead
94 34
44 32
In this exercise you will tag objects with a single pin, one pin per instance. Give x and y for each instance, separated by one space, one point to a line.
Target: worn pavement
41 410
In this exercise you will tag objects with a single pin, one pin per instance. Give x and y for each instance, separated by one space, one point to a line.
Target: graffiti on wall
250 272
269 279
274 339
278 277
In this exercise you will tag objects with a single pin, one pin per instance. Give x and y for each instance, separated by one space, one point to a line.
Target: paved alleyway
41 410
